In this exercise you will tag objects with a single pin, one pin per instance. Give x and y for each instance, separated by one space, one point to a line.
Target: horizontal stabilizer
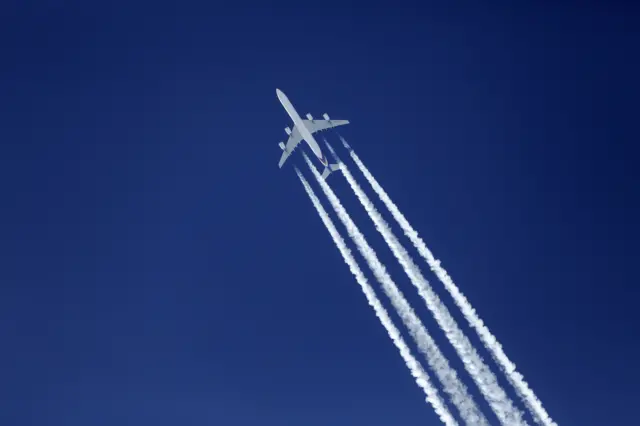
328 170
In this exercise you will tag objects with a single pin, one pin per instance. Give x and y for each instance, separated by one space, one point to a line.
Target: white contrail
502 406
516 379
421 377
438 363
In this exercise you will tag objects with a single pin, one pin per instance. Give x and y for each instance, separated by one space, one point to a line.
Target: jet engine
309 117
282 146
287 130
326 116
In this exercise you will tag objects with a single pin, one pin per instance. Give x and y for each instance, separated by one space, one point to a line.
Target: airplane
304 130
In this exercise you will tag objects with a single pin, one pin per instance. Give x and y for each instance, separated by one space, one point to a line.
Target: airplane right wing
318 125
294 140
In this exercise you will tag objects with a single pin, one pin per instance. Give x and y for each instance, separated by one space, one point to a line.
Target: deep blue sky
158 269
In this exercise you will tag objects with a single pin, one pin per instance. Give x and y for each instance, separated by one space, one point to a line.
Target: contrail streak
421 377
438 363
516 379
487 382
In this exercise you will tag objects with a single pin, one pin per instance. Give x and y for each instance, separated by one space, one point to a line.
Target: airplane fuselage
299 124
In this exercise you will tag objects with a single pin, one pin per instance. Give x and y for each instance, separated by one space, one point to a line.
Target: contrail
516 379
438 363
487 382
421 377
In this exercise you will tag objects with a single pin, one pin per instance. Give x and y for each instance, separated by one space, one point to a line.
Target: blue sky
158 268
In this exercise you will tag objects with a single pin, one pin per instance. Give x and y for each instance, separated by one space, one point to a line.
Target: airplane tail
330 169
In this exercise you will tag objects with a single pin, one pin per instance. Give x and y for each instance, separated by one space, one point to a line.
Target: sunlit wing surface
318 125
292 143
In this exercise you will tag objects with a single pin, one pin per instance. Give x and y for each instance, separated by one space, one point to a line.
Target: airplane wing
294 140
318 125
313 126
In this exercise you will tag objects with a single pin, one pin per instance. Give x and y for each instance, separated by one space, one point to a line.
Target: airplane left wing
318 125
294 140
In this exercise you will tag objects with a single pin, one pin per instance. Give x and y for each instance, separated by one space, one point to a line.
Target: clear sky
157 268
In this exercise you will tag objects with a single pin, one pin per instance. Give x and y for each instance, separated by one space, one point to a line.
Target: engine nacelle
326 116
287 130
282 146
309 117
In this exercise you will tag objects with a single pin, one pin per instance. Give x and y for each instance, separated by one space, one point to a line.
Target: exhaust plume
487 382
420 376
534 405
438 363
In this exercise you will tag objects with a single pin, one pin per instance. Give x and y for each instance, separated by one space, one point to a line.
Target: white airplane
304 129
